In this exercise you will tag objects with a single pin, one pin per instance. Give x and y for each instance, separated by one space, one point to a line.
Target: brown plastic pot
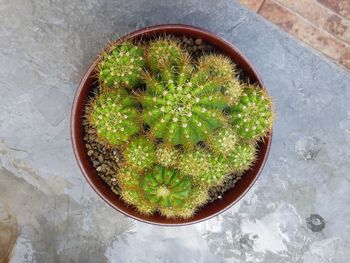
77 132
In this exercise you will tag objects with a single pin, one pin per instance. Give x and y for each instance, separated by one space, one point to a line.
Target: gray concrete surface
50 214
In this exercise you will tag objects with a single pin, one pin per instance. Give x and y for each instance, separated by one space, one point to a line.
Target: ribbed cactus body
114 116
197 198
166 188
180 108
122 65
129 179
252 115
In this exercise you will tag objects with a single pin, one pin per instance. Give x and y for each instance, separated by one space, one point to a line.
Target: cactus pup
114 116
121 66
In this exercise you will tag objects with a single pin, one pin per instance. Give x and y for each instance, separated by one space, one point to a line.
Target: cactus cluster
182 125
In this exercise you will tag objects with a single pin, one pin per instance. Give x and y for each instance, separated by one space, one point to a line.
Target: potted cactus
180 124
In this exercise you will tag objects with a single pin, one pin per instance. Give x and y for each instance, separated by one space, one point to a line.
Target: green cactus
206 169
167 189
167 155
223 140
218 67
129 180
252 115
140 152
122 65
242 157
114 116
197 198
163 52
233 90
180 108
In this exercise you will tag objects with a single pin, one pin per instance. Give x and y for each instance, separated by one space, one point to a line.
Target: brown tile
336 26
342 7
345 58
253 5
303 30
320 16
278 15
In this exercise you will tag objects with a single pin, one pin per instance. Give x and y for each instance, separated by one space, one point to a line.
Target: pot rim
74 123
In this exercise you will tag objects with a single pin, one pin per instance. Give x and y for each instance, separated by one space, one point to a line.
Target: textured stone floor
298 211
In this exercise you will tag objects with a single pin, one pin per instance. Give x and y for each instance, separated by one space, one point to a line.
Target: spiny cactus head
166 188
121 65
140 152
252 115
195 163
242 157
198 197
129 180
163 53
114 116
233 90
218 67
223 140
182 114
167 155
207 170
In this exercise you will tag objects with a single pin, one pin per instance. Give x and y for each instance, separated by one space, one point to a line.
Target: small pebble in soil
104 160
198 41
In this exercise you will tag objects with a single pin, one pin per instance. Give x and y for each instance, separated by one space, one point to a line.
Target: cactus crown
122 65
200 124
183 106
166 187
252 115
114 116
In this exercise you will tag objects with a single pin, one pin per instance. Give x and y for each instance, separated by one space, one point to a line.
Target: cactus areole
182 124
